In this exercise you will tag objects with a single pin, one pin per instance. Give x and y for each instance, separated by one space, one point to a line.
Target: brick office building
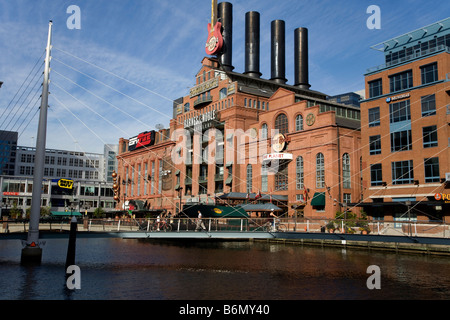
405 127
214 131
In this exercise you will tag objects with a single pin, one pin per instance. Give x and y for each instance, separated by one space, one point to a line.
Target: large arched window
299 123
320 171
299 173
222 93
281 124
249 178
346 170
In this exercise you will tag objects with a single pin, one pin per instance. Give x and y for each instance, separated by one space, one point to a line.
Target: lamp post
408 204
180 189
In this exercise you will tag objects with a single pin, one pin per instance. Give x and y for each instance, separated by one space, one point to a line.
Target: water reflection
143 269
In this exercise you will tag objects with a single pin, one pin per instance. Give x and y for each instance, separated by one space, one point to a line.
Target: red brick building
237 136
405 128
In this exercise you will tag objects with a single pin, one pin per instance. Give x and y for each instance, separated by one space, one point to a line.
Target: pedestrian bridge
231 230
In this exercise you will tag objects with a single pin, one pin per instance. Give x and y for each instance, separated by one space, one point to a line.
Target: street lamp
408 204
1 83
180 189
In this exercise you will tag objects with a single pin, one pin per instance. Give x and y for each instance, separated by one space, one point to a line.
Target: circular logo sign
279 142
212 43
217 210
310 119
438 196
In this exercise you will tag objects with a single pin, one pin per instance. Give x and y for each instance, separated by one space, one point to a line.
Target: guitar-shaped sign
215 39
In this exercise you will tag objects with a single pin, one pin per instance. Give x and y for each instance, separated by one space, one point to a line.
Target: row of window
417 50
60 161
143 172
401 111
401 140
282 125
403 172
404 80
281 176
71 174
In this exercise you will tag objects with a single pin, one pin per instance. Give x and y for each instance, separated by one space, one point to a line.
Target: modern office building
232 129
87 172
405 127
8 143
110 153
349 98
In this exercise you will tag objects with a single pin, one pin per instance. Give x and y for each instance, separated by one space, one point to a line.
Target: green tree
99 212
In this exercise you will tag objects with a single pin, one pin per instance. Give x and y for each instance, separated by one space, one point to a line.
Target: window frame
431 168
401 81
424 73
397 141
402 172
375 144
320 170
282 123
375 88
428 138
374 117
428 104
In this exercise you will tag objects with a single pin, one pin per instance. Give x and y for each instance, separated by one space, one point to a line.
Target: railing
379 227
412 56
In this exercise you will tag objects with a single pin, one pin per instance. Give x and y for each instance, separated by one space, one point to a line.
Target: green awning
210 211
66 214
318 199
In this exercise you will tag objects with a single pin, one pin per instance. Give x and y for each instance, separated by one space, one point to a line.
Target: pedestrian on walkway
200 223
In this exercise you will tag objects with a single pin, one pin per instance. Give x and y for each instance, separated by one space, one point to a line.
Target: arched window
249 178
299 123
346 170
281 124
320 171
264 131
222 93
299 173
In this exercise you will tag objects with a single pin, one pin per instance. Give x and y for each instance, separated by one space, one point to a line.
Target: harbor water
117 269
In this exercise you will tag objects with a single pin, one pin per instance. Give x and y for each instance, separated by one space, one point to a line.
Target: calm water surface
114 269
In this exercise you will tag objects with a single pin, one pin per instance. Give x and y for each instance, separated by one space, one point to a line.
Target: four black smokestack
225 15
301 58
278 55
252 47
252 44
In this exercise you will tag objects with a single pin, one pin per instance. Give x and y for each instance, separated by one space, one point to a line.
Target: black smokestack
278 52
252 44
225 15
301 58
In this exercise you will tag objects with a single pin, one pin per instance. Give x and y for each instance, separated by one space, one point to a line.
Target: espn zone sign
144 139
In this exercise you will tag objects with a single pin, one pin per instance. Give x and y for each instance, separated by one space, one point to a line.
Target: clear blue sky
156 47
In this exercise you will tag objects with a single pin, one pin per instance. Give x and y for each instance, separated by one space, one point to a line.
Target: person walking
200 223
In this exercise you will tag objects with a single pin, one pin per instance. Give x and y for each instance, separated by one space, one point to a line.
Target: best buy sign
66 184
